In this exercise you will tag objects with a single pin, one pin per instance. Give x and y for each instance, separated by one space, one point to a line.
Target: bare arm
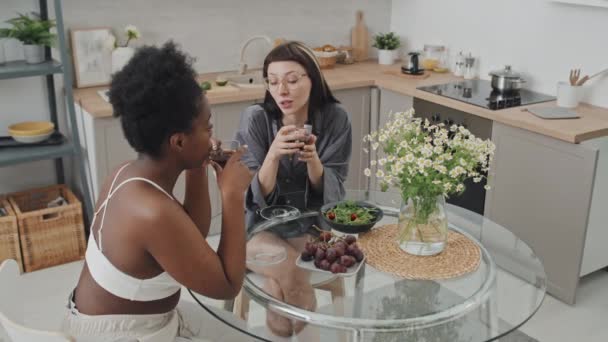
197 202
182 251
231 249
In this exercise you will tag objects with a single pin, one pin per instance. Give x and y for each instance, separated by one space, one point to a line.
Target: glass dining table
489 303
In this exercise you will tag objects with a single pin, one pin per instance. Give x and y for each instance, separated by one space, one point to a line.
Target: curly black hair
155 95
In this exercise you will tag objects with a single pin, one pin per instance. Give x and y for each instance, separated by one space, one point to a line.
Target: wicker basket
327 62
9 235
49 236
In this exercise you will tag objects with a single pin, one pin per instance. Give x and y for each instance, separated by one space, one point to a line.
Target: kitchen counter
593 121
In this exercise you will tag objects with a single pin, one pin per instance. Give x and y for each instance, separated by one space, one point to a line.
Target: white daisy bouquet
425 160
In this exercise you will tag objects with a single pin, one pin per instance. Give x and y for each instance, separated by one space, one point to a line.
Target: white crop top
114 280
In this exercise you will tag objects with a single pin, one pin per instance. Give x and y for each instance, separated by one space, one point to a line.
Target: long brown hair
320 94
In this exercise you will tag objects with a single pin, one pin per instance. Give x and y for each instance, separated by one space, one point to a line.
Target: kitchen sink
247 80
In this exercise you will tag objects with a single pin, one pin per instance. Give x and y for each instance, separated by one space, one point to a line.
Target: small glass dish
278 212
269 255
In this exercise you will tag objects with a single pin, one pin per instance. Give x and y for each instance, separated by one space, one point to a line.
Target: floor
555 321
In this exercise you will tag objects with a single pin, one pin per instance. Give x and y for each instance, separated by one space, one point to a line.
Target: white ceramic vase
34 54
120 57
386 57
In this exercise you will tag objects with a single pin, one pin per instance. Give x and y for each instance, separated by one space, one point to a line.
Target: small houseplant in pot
387 44
427 162
33 32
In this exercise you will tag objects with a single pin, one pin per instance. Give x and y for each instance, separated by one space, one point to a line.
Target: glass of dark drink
221 152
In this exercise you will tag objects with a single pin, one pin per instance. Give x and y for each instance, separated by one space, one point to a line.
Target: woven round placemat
460 255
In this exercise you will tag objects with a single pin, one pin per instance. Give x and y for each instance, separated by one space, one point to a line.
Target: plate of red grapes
329 253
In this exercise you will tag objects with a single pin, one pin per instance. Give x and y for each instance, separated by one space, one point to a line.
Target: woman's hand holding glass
289 140
235 177
309 150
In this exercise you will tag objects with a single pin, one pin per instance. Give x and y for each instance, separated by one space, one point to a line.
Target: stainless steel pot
506 80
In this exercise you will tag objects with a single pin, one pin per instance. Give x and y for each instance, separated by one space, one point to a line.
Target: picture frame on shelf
91 57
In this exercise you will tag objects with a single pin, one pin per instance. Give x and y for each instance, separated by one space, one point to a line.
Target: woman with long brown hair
293 167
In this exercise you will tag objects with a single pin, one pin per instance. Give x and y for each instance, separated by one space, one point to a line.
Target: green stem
422 208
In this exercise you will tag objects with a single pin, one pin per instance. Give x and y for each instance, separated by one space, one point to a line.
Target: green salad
349 212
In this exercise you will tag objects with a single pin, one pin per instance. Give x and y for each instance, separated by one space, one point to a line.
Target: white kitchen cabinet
105 147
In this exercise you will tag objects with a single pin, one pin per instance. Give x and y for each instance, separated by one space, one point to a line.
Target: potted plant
122 53
427 163
386 43
33 32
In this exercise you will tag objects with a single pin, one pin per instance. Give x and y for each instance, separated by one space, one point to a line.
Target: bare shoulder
148 210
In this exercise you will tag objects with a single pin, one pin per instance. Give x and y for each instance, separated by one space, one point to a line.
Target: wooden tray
422 76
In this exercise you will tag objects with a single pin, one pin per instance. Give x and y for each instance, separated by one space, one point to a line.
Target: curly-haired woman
144 245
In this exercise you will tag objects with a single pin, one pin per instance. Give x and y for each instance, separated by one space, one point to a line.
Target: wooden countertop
593 121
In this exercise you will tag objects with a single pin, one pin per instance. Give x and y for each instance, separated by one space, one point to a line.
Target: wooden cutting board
359 37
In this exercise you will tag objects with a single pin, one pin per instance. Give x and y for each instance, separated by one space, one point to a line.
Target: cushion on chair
15 291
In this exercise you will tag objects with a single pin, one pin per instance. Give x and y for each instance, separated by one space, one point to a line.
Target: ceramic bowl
31 128
351 228
31 139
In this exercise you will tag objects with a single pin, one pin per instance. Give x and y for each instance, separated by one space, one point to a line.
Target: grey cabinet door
388 102
225 118
541 190
357 104
391 101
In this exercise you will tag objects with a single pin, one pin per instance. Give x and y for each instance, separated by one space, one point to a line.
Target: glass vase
423 225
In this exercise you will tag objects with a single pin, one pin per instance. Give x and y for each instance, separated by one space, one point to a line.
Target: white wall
210 30
541 38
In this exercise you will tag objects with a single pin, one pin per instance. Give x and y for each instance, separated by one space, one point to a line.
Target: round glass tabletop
371 305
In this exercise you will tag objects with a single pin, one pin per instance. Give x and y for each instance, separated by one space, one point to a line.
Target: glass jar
431 56
444 62
469 68
423 225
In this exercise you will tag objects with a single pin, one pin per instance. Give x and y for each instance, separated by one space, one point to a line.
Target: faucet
242 64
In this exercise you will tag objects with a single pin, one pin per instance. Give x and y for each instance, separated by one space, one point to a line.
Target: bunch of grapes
332 253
